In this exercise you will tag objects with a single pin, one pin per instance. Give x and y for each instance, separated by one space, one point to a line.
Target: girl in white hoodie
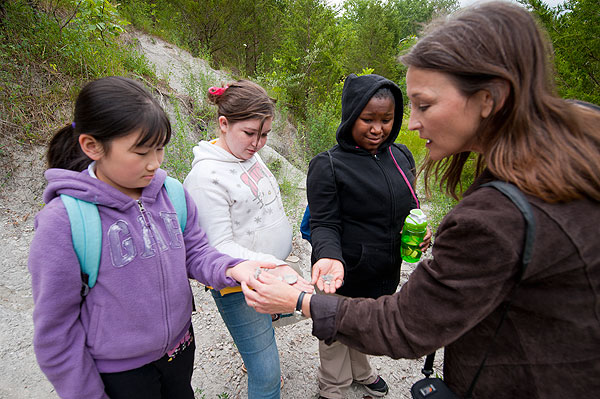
240 209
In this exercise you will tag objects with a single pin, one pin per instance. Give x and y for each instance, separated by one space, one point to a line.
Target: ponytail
65 152
242 100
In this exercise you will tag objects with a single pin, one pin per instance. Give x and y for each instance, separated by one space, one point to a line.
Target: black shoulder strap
517 197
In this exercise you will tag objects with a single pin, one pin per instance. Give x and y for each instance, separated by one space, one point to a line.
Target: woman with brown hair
481 81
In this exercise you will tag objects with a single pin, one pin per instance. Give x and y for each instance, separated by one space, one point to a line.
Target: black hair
106 109
384 93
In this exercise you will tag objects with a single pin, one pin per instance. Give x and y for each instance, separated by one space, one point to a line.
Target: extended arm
442 300
444 297
205 263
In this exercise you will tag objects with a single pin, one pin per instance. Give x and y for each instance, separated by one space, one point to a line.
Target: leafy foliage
301 49
574 29
370 26
306 66
47 49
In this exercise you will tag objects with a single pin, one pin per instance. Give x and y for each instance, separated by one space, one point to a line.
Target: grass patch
438 205
203 115
178 153
289 192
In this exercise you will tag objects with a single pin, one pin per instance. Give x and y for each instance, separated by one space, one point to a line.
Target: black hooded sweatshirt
358 201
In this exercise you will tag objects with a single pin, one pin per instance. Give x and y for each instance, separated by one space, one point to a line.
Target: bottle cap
417 218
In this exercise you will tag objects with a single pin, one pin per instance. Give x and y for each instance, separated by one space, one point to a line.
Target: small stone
292 259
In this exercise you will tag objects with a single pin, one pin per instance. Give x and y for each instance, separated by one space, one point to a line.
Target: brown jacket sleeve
476 256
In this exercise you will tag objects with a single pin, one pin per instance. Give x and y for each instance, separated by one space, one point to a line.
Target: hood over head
357 92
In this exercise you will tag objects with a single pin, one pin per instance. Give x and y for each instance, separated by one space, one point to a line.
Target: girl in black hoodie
359 193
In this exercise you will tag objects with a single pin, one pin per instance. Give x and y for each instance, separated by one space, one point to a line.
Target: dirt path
217 370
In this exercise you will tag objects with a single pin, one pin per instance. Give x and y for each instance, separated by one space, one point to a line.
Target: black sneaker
377 388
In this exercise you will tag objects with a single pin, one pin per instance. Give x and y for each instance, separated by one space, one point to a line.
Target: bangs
155 129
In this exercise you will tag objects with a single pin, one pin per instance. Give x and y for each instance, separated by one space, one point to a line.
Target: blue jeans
254 337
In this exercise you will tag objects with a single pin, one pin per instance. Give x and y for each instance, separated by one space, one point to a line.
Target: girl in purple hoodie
131 336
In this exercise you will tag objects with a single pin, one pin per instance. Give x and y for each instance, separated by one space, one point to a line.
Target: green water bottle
415 227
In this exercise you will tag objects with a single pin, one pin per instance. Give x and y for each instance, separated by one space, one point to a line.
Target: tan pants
340 365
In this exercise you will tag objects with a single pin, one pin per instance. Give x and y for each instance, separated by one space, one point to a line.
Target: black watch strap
299 303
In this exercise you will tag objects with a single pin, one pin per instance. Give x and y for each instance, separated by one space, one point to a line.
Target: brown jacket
549 344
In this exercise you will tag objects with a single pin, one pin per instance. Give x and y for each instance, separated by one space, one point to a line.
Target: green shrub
178 153
47 53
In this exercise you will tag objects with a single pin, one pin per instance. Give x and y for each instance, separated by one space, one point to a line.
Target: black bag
435 388
431 388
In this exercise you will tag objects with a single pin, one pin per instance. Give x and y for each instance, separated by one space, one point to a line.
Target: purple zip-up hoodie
141 304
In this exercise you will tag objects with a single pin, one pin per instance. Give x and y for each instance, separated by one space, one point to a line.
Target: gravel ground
217 367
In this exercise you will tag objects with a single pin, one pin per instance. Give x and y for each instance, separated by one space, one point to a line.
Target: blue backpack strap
177 196
86 233
305 225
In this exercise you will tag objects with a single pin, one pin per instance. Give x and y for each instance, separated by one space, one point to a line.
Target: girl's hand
269 295
426 241
243 271
284 271
328 274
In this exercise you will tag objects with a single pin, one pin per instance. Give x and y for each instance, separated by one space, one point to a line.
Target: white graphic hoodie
239 205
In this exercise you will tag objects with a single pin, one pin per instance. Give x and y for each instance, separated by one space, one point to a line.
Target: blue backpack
305 225
86 229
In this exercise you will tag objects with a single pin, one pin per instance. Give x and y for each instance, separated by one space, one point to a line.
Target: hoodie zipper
144 214
392 195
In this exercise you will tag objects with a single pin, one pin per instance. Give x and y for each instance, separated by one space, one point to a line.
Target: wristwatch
298 311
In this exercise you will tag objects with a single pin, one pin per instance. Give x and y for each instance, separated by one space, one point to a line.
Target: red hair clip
217 91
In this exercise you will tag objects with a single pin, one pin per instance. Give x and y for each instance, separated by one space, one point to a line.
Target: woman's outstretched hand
285 273
328 274
268 294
